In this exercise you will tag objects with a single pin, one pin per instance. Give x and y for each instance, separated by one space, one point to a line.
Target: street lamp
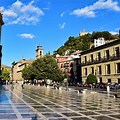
1 23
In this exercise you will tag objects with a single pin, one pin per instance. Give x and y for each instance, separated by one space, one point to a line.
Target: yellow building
18 67
103 61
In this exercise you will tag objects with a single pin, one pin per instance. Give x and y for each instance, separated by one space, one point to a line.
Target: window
107 54
62 65
100 80
99 56
117 52
71 64
92 70
66 65
108 68
99 70
85 71
118 67
40 53
85 59
91 57
109 80
118 80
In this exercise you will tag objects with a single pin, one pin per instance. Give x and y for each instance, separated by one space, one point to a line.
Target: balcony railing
104 59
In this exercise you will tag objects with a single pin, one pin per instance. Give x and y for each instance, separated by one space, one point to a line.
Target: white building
99 42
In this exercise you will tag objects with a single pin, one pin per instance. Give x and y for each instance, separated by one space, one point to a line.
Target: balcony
104 59
115 57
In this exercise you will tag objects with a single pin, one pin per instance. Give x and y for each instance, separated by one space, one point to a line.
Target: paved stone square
41 103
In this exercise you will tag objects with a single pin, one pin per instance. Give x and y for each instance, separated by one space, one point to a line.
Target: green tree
91 79
28 73
105 34
86 42
80 43
5 75
43 68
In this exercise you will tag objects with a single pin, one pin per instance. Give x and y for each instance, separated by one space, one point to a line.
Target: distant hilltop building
99 42
83 32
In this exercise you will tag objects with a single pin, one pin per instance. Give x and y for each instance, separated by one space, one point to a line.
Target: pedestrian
22 85
58 85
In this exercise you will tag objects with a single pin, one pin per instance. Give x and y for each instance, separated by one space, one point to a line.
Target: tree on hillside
86 42
80 43
104 34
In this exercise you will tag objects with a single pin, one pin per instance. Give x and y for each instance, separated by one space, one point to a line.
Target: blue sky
49 23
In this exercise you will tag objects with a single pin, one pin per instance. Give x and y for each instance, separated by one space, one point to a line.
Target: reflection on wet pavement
41 103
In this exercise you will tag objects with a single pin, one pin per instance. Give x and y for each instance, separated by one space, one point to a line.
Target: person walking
22 85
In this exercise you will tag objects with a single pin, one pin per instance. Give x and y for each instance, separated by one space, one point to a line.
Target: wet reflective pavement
41 103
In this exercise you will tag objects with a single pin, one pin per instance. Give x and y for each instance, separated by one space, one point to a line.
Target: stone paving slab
41 103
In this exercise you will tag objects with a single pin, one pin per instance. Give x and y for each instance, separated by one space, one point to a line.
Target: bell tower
39 52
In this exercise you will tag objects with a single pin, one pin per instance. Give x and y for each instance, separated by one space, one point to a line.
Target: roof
76 52
101 47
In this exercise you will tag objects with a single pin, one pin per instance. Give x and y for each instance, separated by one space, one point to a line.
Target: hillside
84 42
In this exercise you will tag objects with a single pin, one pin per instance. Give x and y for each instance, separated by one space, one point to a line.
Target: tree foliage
43 68
75 43
5 75
84 42
91 79
105 34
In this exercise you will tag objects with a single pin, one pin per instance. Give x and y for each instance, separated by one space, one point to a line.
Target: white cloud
89 11
113 32
28 36
62 25
62 14
20 13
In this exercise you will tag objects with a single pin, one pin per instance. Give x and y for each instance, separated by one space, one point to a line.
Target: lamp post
1 23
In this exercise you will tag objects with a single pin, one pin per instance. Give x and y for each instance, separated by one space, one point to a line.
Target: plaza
41 103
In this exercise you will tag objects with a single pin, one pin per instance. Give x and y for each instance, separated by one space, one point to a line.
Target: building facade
18 67
103 61
70 66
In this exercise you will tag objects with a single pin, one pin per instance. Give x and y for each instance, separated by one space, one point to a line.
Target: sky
49 23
